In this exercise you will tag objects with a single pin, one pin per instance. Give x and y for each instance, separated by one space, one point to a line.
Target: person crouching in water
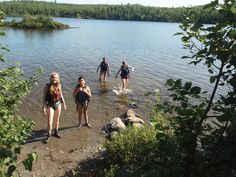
82 95
104 69
52 99
124 69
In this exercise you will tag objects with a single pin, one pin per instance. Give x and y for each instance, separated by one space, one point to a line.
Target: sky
156 3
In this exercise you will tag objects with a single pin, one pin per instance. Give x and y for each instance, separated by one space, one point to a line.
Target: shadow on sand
91 167
40 135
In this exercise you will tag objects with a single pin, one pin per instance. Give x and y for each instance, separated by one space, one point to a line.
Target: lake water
149 47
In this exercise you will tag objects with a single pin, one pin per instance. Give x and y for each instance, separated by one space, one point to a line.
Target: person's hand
65 108
44 111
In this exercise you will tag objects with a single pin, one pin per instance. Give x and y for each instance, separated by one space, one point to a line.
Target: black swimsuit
81 98
124 72
104 67
49 99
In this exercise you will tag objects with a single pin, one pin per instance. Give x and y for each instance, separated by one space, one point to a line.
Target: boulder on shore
118 124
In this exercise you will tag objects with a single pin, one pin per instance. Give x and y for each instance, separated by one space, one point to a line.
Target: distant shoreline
107 12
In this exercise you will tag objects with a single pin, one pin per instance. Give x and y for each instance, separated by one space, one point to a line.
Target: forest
107 12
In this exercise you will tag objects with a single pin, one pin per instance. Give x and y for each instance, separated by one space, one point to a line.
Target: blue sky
157 3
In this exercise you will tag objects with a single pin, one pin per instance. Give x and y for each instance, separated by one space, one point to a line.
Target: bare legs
82 110
102 74
53 116
124 83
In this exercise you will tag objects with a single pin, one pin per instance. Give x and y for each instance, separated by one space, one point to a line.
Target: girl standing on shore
82 95
52 99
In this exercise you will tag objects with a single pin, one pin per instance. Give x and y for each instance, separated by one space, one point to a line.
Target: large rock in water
128 113
130 118
134 120
117 124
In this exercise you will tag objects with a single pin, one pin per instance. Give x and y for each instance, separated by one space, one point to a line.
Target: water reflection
104 87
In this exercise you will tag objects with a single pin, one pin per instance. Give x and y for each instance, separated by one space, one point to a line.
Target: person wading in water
124 70
104 69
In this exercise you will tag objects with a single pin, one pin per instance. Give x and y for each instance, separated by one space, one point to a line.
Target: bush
14 129
133 146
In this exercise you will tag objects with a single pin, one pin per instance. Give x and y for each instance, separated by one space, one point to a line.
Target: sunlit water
149 47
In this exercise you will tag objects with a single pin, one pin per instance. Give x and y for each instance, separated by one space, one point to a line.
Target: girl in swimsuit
104 69
124 70
82 95
52 99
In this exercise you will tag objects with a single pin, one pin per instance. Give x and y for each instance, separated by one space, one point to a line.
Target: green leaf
184 39
212 79
184 105
11 169
179 33
195 90
28 163
34 156
187 85
210 71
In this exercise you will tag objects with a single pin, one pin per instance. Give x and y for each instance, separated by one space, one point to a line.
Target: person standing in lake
82 95
52 99
124 70
104 69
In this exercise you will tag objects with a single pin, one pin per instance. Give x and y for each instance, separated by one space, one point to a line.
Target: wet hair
80 77
51 77
52 86
124 62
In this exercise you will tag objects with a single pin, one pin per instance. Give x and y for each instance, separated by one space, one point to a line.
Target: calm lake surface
149 47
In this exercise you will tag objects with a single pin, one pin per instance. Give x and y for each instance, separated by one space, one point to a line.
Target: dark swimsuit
81 98
124 72
104 66
52 100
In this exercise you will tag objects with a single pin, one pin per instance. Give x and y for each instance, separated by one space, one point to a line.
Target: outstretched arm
131 68
118 72
98 67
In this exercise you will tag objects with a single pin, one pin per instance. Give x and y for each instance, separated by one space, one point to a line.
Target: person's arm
131 68
118 72
87 91
108 69
63 100
44 100
75 91
98 67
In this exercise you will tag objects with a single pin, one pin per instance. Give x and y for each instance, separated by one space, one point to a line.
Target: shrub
14 129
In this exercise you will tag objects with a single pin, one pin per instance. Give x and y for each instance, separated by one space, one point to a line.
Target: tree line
107 12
